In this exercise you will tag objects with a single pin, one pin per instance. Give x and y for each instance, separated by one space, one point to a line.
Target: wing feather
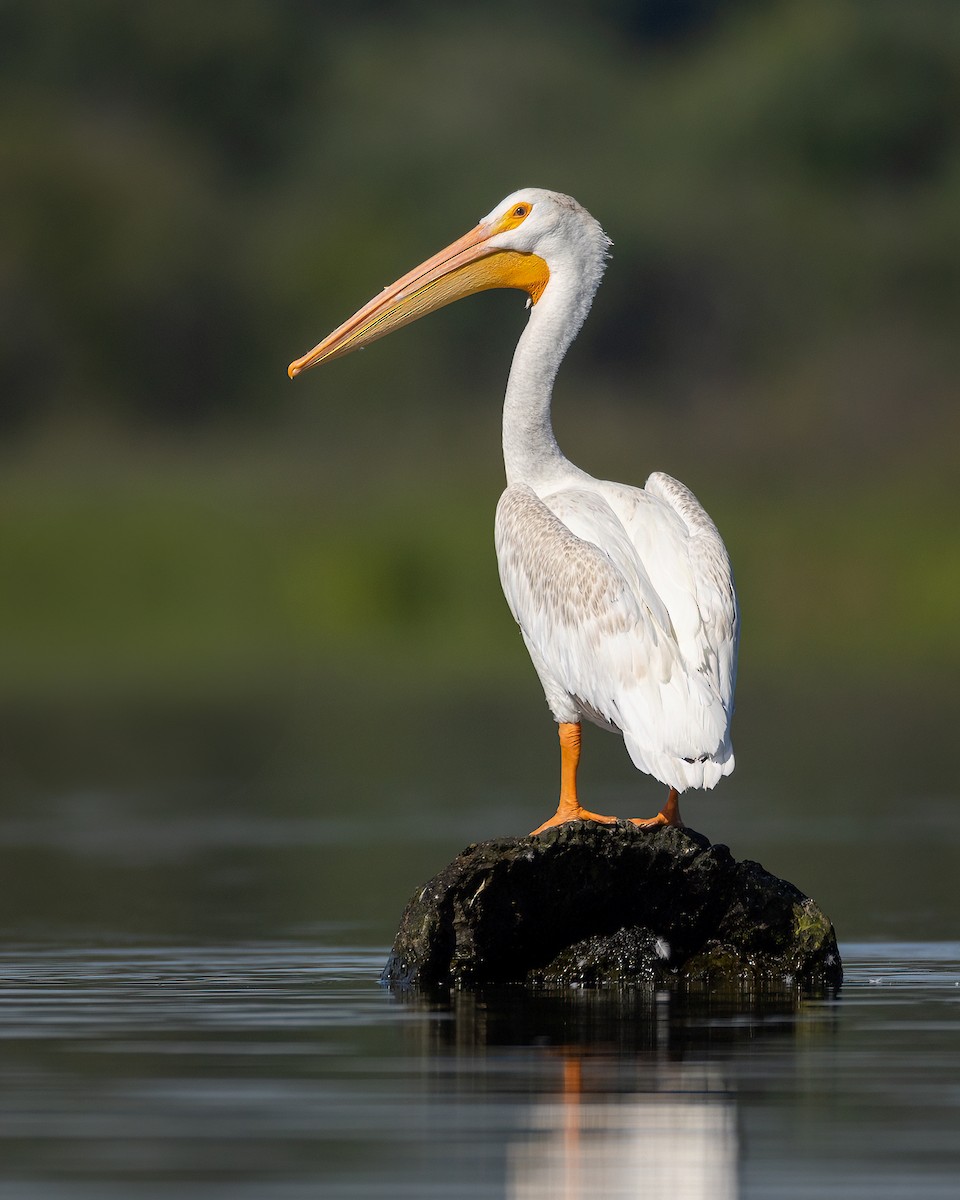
715 630
602 633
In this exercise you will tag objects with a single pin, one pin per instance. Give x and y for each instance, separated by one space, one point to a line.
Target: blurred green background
226 598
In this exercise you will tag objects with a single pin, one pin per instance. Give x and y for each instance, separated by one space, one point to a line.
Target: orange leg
572 1124
668 815
569 807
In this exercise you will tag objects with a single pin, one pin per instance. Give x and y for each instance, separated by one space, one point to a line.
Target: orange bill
470 264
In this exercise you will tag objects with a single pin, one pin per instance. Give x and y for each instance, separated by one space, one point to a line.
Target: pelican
624 595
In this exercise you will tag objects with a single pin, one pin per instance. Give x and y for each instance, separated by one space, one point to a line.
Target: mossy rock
611 905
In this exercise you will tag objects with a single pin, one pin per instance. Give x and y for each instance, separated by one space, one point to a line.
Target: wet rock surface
597 904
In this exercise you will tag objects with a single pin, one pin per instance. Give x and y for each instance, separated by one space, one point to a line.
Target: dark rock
610 904
628 956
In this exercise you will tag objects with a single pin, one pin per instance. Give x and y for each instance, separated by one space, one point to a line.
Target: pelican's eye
514 216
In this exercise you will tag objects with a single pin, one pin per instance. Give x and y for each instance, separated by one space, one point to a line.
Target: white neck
530 451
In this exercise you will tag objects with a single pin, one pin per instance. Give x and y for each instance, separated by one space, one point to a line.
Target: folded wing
625 600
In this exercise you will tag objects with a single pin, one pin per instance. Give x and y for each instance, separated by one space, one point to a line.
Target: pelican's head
529 234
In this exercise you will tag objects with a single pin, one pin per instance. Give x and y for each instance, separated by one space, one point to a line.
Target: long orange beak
466 266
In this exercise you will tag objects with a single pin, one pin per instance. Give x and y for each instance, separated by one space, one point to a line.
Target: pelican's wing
598 629
697 587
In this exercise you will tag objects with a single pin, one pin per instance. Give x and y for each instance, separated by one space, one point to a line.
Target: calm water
282 1068
195 913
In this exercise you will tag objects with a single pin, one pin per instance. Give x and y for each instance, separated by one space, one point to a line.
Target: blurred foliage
193 194
189 189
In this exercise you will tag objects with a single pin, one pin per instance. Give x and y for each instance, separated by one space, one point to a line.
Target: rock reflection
622 1093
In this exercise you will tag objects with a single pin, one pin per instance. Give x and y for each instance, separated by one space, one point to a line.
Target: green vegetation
206 581
194 194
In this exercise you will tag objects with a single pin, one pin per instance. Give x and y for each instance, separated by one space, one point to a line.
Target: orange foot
572 812
668 815
569 808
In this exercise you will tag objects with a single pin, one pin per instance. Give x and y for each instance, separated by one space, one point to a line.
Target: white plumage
624 595
626 618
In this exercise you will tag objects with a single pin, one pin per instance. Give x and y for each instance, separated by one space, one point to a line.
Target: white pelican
624 595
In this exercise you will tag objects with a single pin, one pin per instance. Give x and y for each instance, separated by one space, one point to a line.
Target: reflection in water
281 1069
680 1141
631 1093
